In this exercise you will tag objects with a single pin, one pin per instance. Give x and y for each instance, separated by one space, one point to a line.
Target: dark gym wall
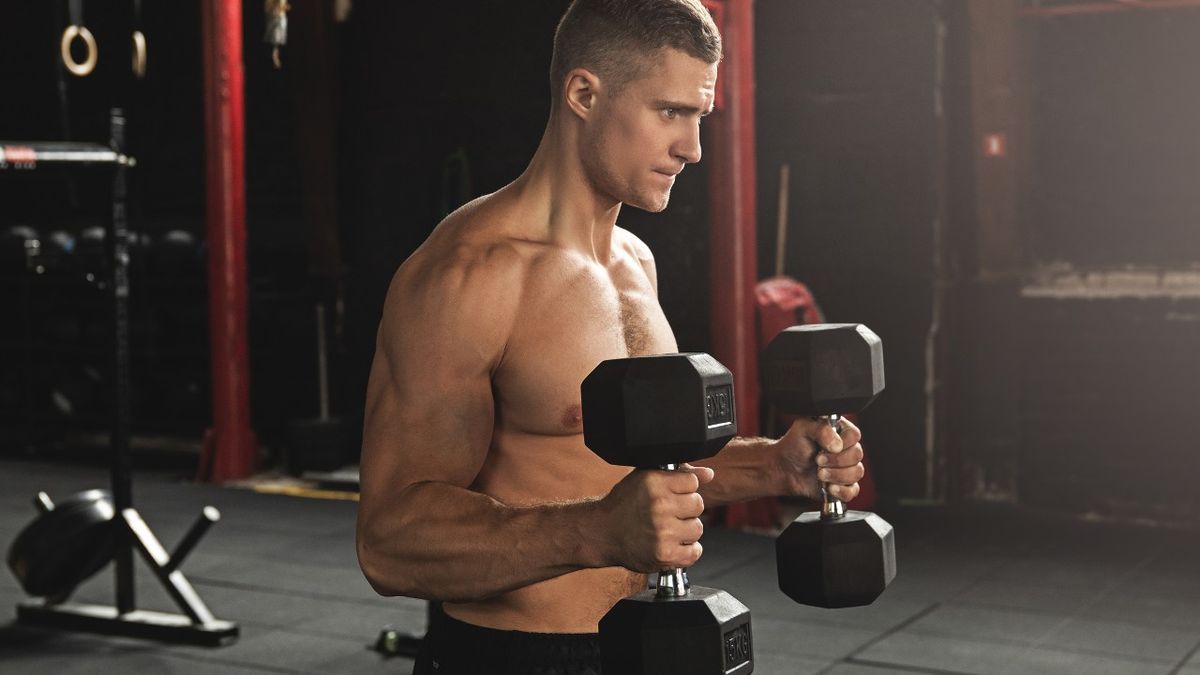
56 328
846 97
1116 104
1109 382
166 134
1076 361
1047 390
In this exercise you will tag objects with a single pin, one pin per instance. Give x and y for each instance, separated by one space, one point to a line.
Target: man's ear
581 91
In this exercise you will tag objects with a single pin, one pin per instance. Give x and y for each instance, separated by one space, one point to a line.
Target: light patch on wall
1062 280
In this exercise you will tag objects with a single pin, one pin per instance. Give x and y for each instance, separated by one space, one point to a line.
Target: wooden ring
89 64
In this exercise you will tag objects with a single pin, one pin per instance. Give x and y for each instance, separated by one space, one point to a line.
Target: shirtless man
477 488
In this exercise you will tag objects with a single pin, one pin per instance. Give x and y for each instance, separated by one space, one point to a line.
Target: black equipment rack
196 624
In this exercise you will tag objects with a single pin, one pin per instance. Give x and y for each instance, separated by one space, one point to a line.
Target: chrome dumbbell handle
672 583
832 508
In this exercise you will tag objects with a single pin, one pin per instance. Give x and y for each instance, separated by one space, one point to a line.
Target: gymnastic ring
139 54
78 69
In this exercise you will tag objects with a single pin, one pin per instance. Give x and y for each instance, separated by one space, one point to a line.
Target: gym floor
980 591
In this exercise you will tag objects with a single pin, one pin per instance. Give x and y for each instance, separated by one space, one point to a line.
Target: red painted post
229 444
732 239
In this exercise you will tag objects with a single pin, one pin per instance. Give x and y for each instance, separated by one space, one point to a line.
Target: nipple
573 417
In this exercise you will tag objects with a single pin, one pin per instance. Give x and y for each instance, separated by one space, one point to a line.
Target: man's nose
688 148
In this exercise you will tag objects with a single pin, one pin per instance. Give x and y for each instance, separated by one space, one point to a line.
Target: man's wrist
775 468
595 545
785 478
747 468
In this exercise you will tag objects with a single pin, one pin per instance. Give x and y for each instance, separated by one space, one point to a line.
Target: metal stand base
196 626
394 642
141 623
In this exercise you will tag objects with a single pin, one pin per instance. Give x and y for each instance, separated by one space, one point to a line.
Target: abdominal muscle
525 469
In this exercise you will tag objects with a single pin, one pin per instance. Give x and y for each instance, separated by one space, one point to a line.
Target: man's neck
555 194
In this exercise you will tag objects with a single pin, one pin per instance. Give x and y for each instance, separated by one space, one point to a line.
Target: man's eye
670 113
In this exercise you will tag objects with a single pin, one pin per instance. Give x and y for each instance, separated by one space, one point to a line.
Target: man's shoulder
633 244
455 269
462 261
452 296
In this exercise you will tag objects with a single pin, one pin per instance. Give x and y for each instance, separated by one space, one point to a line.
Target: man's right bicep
429 398
429 417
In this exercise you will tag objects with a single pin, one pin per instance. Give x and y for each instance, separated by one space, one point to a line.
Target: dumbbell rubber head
834 563
647 411
706 631
823 369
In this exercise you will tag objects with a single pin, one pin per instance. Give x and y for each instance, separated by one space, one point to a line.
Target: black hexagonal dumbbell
832 557
659 412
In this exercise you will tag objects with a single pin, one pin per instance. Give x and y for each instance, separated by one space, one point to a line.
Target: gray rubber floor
980 591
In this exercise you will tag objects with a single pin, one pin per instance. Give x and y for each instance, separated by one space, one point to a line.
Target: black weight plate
65 546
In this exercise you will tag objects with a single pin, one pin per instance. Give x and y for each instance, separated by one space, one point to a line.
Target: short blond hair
617 39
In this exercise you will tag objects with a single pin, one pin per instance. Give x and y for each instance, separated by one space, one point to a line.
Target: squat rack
196 625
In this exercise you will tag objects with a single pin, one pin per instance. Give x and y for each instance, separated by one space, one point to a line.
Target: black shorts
452 647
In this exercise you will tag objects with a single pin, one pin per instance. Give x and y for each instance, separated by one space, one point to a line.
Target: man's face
650 130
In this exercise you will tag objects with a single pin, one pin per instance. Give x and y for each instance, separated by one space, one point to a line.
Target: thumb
703 473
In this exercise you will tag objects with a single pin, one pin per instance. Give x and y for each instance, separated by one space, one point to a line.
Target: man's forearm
746 468
452 544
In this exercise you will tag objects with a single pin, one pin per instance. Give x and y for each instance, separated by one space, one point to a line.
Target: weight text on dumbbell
717 406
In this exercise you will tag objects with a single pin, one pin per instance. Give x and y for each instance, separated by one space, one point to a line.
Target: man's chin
655 204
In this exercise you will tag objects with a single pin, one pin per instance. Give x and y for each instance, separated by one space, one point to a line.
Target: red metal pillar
229 444
733 207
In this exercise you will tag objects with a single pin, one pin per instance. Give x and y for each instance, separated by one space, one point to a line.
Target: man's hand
811 453
652 518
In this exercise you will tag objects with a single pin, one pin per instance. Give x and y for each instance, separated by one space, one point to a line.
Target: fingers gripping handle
672 583
832 507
